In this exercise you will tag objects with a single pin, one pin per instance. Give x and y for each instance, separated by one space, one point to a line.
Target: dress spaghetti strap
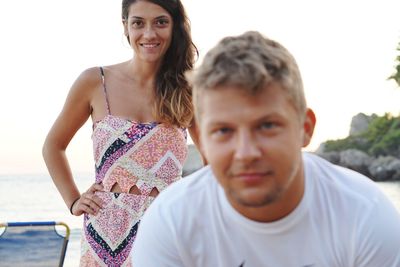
105 90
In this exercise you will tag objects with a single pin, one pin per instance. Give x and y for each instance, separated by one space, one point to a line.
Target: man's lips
252 177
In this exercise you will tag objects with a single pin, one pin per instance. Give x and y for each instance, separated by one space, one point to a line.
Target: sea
35 198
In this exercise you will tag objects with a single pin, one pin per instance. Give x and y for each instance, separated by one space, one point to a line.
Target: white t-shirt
343 220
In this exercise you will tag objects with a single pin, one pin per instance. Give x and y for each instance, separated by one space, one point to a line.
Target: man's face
253 144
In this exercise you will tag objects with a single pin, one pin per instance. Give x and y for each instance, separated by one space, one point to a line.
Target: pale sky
345 50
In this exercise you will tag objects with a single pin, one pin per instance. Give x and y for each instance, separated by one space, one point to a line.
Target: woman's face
149 29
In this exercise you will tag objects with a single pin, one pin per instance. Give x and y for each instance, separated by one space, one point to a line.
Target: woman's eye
137 23
162 22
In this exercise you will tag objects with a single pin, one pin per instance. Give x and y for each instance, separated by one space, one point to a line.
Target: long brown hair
173 92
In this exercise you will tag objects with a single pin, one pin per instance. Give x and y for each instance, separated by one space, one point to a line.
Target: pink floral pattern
145 155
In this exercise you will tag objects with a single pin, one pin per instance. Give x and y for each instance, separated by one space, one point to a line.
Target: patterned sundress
127 153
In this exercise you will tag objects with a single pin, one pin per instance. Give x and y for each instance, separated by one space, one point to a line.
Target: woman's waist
136 185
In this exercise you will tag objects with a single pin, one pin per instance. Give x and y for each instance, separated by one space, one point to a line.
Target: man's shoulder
339 193
200 178
326 172
340 182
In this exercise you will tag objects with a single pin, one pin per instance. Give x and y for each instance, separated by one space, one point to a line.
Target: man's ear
194 132
308 126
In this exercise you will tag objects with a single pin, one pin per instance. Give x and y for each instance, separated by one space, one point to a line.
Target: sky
345 50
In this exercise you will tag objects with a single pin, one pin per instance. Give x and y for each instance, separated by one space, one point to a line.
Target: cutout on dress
133 190
116 188
154 192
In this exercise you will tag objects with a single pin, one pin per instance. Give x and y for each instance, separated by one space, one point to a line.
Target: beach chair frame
33 225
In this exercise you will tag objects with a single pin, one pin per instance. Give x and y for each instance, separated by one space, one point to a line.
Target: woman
140 110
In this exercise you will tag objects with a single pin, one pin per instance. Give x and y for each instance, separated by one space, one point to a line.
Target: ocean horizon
35 198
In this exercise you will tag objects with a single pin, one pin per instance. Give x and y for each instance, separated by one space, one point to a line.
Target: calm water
35 198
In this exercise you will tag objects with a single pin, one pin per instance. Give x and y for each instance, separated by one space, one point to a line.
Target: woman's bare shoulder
87 82
90 76
90 79
115 69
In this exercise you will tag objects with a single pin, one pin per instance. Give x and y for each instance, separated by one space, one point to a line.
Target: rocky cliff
372 147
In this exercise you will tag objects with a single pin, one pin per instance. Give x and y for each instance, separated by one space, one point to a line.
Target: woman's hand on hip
88 202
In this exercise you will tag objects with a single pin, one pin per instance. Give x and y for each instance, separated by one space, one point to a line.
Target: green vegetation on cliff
381 138
396 75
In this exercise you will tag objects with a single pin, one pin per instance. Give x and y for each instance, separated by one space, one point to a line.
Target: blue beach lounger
33 244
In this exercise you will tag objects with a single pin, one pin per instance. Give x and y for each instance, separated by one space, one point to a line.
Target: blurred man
262 201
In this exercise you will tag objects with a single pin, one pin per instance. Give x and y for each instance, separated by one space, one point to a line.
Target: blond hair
250 62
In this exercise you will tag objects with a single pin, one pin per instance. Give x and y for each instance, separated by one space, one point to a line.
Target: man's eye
223 131
267 125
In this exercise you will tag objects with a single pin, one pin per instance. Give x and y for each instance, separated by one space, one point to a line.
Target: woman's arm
76 111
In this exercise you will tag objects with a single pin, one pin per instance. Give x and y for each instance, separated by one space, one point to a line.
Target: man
262 201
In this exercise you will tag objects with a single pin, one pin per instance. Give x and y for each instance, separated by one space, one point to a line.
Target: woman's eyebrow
159 17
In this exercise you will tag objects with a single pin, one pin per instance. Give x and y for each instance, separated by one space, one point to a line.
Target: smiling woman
140 110
148 29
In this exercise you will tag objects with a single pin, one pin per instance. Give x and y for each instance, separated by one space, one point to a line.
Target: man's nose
247 147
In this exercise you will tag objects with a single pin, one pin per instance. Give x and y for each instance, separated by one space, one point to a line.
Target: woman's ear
125 24
308 126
